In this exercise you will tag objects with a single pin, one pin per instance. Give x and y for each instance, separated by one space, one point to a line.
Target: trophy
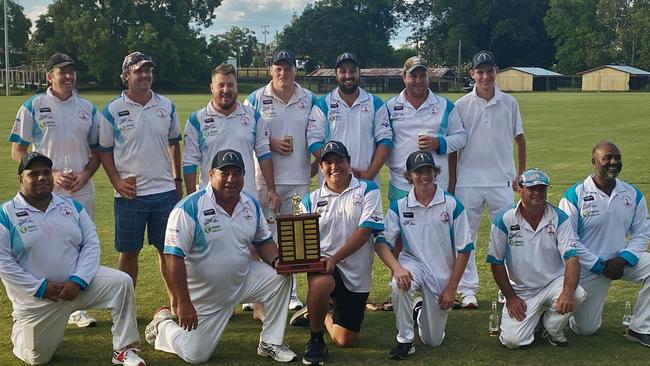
298 241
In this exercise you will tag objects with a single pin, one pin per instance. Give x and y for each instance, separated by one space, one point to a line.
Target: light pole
265 32
6 8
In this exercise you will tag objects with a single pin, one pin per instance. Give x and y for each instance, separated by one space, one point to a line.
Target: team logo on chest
356 199
550 229
65 210
246 212
444 217
83 115
627 201
161 113
244 121
365 108
434 110
302 104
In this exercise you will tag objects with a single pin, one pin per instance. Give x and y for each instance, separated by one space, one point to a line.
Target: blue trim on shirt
264 157
395 208
189 169
40 293
17 139
29 103
79 281
468 248
15 240
442 145
376 102
561 216
494 260
256 116
252 98
258 209
630 258
382 240
570 254
370 186
189 204
175 251
598 267
639 195
571 195
171 115
262 242
459 205
375 227
193 120
315 147
77 205
498 219
174 140
387 142
100 148
306 201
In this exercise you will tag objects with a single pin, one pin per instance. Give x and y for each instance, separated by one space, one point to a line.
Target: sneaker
402 350
247 306
417 307
300 318
128 357
315 353
151 331
644 339
295 303
559 339
82 319
278 352
469 302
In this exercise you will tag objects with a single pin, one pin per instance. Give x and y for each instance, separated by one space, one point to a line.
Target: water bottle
493 325
627 316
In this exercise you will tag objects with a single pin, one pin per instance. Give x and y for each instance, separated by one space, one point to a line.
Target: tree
98 34
329 27
19 32
582 40
512 29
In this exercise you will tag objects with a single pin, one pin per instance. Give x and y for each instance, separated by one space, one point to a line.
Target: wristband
274 262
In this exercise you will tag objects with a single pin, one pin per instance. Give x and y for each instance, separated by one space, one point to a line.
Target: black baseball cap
33 156
335 147
418 159
226 158
138 59
346 56
284 55
483 57
59 59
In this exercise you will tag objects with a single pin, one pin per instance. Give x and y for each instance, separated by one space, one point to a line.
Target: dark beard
349 90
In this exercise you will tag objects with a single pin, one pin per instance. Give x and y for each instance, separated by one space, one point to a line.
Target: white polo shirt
359 127
58 245
534 258
214 245
139 137
431 235
487 159
432 119
357 206
58 129
608 226
288 119
208 131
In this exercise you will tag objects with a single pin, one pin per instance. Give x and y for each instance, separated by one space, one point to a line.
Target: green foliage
240 43
98 34
19 30
329 27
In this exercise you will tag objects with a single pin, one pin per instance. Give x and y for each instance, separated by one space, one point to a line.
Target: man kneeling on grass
539 247
437 246
350 212
49 265
210 269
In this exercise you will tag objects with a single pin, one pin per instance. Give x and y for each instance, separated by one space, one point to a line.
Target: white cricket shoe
81 319
278 352
128 357
151 331
295 303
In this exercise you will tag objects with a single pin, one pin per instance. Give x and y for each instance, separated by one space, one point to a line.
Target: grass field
560 128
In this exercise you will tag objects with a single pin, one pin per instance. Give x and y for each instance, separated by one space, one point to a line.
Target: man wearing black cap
433 224
139 136
284 106
49 252
346 250
210 270
486 174
355 117
62 125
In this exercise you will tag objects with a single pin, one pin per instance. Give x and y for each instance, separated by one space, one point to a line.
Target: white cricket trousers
515 334
262 285
286 193
473 199
589 317
432 319
38 331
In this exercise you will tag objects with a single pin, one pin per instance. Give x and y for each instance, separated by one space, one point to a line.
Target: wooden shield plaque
299 243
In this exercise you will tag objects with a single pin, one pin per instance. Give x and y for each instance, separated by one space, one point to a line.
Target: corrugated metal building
614 78
527 79
380 80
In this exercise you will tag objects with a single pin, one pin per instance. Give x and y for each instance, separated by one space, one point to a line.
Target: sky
252 14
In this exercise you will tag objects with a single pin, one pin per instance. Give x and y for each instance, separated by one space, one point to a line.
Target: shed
527 79
614 78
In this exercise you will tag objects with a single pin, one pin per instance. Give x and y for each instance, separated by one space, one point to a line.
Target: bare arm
516 306
452 161
17 151
401 275
267 252
190 183
266 167
379 157
520 140
122 187
566 302
446 300
80 179
358 239
174 150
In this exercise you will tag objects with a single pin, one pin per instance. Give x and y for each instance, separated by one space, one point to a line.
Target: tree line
567 36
